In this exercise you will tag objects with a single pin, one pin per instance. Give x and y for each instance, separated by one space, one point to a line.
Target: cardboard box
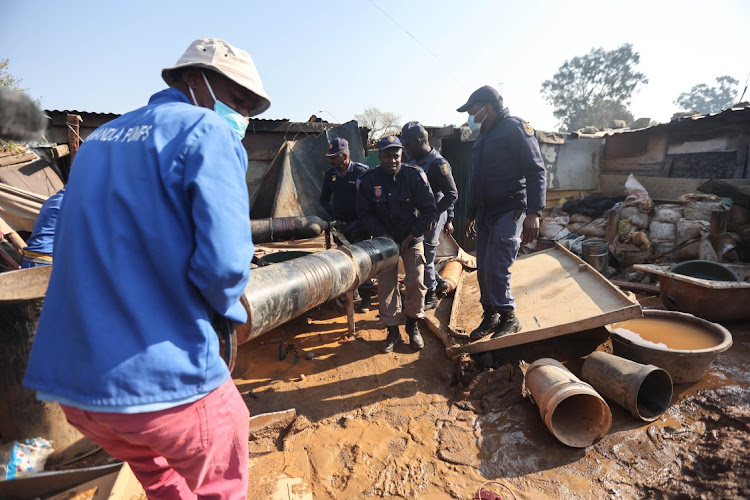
115 482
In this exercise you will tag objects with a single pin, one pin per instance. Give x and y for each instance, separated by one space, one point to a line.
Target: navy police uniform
443 186
343 188
508 182
398 205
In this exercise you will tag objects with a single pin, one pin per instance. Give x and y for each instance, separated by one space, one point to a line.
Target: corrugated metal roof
736 112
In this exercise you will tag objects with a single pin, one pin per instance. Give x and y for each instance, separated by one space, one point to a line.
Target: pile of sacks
647 232
669 232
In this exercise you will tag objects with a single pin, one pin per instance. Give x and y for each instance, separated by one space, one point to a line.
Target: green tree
705 99
7 80
594 89
379 123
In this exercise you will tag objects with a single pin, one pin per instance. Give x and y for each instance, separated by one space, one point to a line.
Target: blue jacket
152 240
508 170
395 205
344 191
43 233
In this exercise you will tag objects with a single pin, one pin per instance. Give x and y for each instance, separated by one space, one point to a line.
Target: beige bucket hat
226 59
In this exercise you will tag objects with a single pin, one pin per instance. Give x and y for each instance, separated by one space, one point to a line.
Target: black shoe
364 306
394 337
430 301
415 338
508 324
489 322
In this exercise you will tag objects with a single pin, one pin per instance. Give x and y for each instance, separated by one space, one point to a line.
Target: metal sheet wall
459 155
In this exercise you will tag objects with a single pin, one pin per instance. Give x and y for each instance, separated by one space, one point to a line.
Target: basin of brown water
680 343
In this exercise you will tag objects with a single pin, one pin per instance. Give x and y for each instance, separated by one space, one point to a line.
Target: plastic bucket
596 254
643 390
571 409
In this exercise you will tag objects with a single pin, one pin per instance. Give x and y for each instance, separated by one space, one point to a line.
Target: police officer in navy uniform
417 146
340 181
509 190
396 201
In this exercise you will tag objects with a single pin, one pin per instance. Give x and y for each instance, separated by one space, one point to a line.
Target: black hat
338 144
482 94
412 129
389 141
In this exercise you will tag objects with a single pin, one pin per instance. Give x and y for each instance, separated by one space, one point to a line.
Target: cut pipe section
644 390
281 292
287 228
572 410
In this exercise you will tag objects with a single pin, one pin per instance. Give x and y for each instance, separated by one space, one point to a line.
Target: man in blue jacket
39 247
509 189
152 242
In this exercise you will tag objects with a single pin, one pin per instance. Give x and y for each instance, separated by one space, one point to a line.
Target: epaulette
527 129
419 170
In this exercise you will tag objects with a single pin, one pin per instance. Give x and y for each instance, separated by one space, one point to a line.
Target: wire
425 47
745 89
479 493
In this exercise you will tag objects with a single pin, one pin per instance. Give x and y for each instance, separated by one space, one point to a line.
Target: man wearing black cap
396 201
509 189
341 182
438 170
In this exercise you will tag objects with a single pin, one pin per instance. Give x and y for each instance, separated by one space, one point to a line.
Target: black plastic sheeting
292 185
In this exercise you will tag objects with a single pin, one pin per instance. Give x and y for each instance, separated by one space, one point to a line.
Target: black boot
508 324
489 322
430 300
415 338
394 337
366 295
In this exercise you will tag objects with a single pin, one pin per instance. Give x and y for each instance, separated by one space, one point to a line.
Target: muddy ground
417 425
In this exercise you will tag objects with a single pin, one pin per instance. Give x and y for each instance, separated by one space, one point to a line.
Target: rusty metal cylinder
644 390
571 409
451 273
278 293
287 228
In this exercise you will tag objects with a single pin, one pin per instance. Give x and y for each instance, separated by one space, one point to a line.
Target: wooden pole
74 134
719 220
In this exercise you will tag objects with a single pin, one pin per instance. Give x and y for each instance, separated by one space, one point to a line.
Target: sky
419 59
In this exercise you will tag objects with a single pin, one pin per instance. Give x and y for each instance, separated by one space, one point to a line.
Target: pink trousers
197 450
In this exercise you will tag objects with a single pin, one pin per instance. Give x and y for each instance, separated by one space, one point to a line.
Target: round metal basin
684 366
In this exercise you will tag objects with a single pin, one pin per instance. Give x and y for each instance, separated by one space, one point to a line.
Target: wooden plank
637 287
456 301
556 294
18 158
523 337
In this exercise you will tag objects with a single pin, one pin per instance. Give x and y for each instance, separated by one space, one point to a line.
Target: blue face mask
474 125
235 120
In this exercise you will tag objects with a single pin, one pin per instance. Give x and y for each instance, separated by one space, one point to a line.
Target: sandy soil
418 425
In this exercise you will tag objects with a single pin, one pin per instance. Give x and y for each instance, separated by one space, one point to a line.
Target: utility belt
37 257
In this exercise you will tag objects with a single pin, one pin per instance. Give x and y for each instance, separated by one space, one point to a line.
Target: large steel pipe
278 293
287 228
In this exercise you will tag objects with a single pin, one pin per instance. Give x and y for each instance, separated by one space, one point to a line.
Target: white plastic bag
662 233
24 458
668 213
